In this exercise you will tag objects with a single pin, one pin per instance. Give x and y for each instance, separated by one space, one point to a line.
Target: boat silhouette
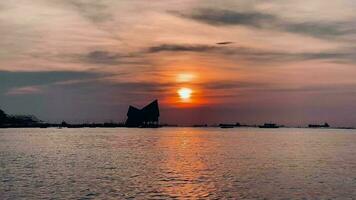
269 125
227 125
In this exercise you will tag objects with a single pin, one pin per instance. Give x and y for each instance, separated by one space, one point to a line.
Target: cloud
228 85
102 57
25 90
255 55
320 29
21 79
95 11
23 83
181 47
224 43
333 88
223 17
228 17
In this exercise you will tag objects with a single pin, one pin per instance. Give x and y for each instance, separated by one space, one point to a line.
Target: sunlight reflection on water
182 163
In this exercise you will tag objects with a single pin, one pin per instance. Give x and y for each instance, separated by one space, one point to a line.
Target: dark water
177 163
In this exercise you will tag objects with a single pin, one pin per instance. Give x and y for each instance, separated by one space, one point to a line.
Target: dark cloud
336 56
348 56
321 29
260 20
227 85
181 47
102 57
143 88
113 82
320 88
228 17
21 79
16 87
224 43
95 11
270 56
260 55
111 58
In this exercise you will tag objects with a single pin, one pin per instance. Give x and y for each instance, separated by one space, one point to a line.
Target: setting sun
185 93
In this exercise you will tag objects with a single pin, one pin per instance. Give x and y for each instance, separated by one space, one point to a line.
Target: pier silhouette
148 116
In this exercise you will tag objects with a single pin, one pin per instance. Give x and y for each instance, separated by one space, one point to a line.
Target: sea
177 163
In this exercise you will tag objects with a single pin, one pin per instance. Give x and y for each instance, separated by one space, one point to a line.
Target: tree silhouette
3 117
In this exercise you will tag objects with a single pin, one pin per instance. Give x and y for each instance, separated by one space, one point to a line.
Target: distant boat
326 125
227 125
269 125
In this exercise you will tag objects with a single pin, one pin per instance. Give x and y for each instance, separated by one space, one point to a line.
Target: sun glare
185 77
185 93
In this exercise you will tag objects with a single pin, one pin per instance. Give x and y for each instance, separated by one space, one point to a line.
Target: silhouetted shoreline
30 121
121 125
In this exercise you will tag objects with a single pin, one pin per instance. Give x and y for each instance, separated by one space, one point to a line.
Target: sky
248 61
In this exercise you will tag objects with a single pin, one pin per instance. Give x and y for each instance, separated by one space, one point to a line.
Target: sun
185 93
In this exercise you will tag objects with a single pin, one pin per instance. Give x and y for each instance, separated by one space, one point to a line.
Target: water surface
177 163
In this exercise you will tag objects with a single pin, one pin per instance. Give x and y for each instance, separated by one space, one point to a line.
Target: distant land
31 121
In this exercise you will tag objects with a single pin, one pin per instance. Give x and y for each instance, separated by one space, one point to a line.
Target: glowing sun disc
185 93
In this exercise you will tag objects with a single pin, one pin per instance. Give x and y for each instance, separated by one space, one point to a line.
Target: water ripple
177 163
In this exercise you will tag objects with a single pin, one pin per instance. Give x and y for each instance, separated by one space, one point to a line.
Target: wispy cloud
25 90
95 11
102 57
255 55
228 85
255 19
345 55
224 43
229 17
181 47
